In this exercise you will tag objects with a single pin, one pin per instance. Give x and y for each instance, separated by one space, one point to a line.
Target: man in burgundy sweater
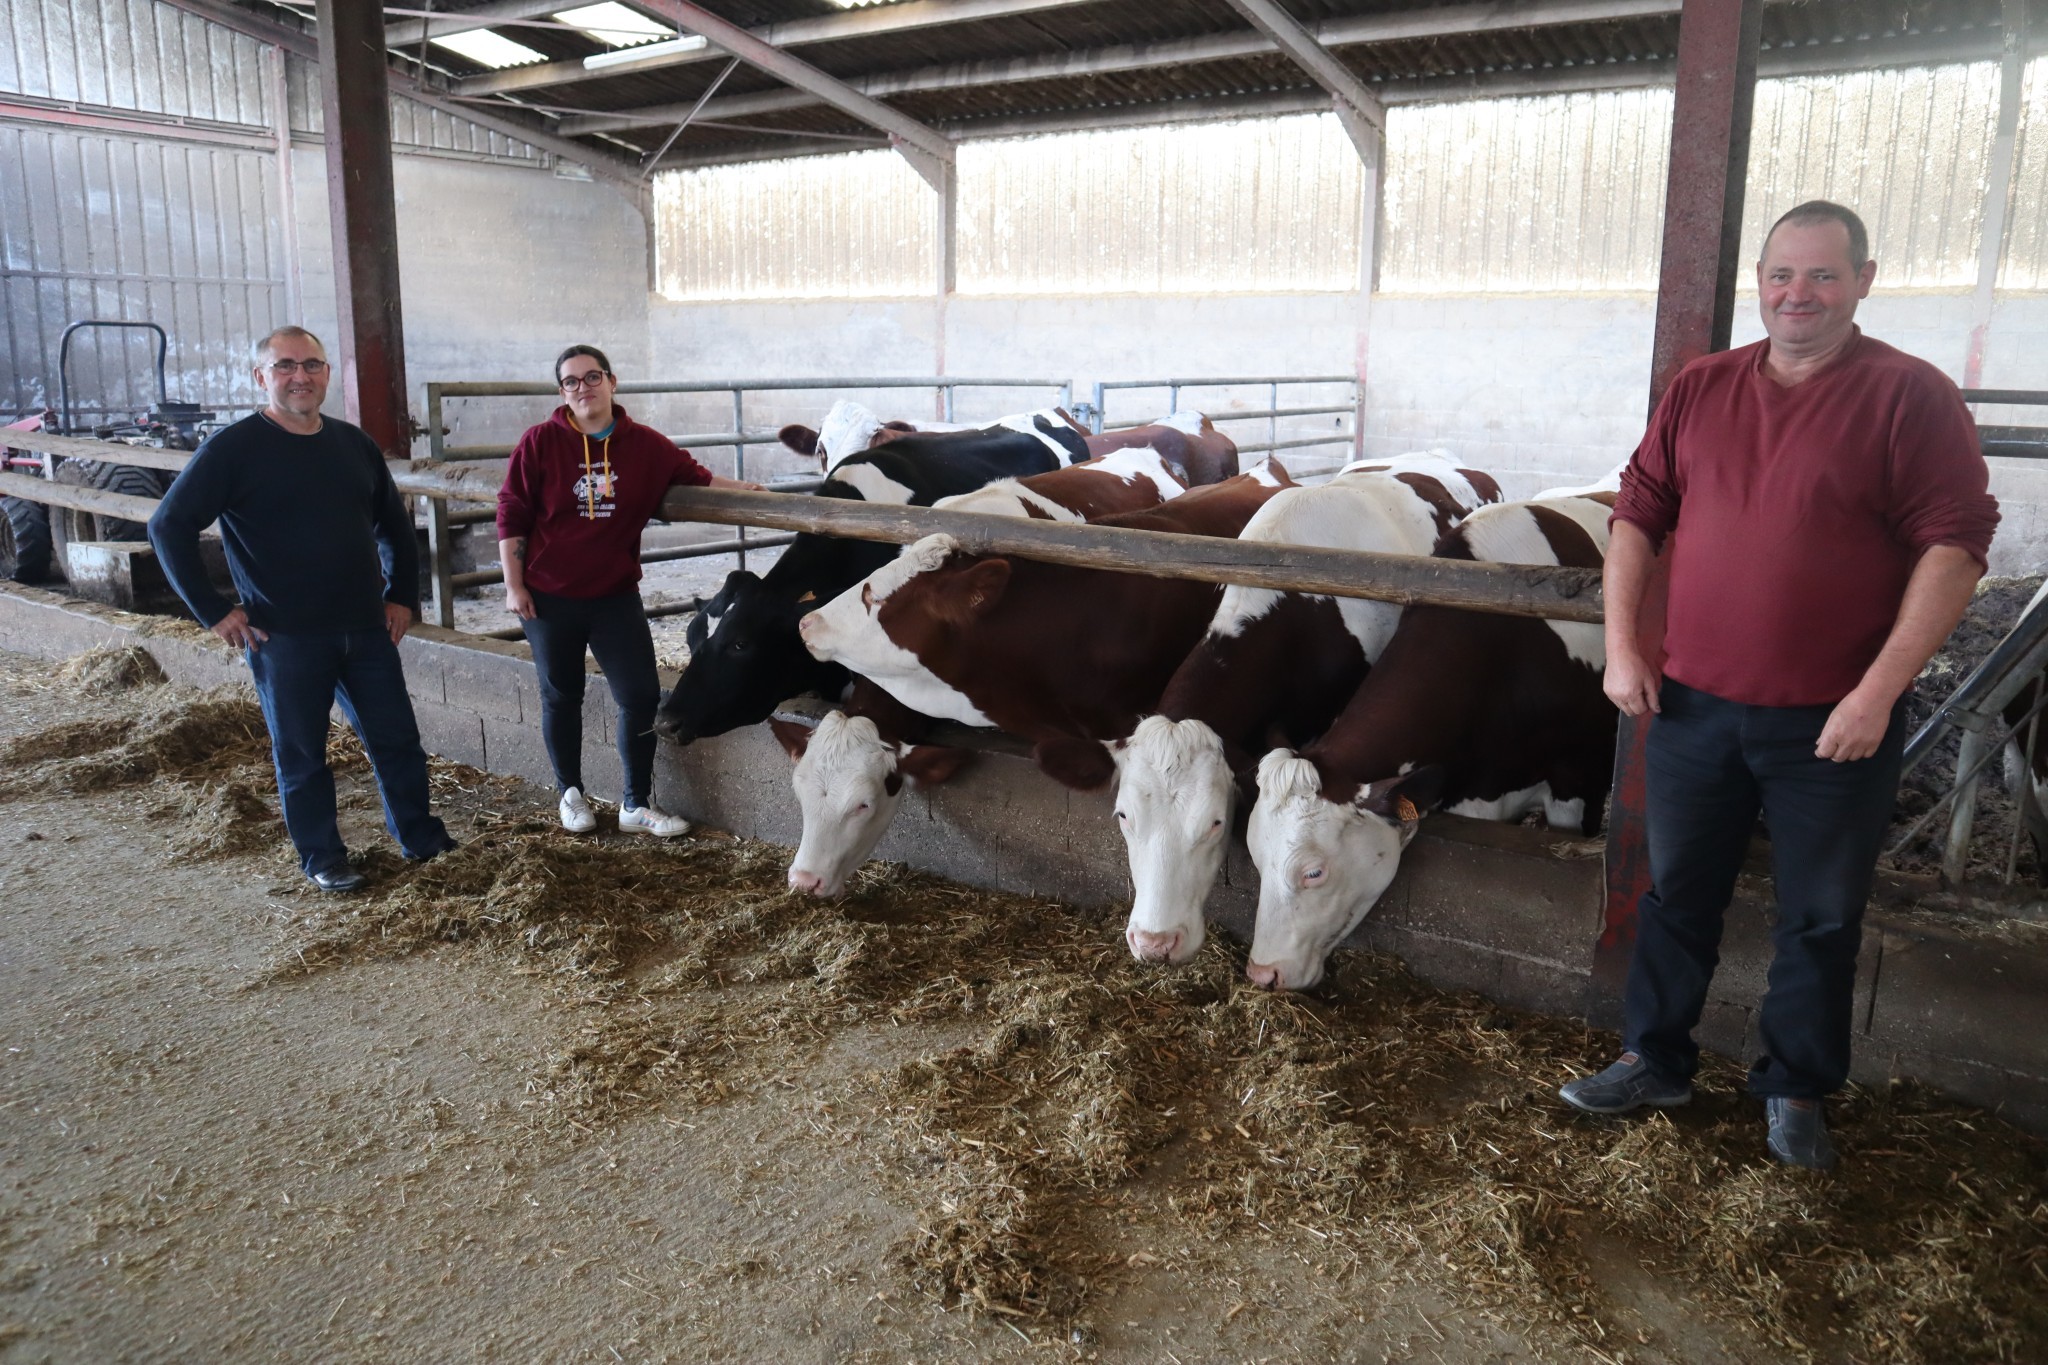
1825 499
580 489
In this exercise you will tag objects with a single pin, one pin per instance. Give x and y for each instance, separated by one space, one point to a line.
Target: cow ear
1403 800
1083 764
927 765
982 585
801 439
794 736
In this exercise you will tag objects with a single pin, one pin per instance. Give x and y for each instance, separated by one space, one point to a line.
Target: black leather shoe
340 879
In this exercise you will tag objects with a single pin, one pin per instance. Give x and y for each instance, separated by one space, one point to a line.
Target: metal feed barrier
440 520
1353 437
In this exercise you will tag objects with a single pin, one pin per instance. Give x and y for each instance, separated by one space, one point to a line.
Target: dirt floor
550 1098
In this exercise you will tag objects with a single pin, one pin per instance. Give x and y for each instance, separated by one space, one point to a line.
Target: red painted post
356 95
1710 119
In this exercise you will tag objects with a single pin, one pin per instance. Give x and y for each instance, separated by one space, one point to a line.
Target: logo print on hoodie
595 494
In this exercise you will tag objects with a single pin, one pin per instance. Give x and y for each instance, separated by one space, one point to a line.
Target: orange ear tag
1406 809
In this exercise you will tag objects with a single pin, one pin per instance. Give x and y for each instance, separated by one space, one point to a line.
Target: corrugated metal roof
1827 34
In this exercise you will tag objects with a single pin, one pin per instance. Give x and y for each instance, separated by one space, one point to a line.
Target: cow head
744 658
886 626
848 429
1174 797
849 781
1323 862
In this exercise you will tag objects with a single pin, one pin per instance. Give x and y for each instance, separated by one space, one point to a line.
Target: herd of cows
1336 723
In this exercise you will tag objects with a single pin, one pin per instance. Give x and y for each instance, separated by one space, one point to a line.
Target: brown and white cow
1273 668
1486 715
1046 651
850 771
1187 440
1126 481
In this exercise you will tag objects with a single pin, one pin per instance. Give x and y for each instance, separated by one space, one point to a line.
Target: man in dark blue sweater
321 549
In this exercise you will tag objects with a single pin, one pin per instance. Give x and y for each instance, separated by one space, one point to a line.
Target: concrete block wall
1507 912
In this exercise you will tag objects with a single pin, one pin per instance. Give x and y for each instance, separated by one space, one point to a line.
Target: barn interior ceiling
992 68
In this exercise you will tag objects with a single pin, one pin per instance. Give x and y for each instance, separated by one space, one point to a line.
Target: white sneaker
577 816
648 820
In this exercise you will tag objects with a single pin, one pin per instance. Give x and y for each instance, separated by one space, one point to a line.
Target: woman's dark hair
591 351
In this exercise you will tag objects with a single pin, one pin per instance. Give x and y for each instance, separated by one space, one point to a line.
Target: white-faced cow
851 772
1136 620
1488 715
1046 651
1273 668
1188 441
849 428
744 652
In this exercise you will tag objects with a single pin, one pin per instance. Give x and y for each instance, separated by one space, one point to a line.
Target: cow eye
861 807
1123 817
1312 876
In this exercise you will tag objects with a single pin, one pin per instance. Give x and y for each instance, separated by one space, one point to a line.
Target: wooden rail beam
1511 589
30 488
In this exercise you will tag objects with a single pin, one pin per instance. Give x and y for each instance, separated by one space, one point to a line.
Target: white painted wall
500 267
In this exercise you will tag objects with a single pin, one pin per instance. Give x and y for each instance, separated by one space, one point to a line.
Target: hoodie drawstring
604 449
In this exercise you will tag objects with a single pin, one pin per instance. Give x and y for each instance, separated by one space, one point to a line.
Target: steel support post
356 93
1997 189
439 571
1710 120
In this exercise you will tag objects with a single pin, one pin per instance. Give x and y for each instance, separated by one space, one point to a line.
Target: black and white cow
745 655
1486 715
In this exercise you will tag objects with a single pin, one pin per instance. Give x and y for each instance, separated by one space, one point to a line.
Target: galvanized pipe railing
440 520
1354 437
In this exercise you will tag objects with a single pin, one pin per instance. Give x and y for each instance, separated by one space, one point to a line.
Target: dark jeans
614 629
299 679
1713 764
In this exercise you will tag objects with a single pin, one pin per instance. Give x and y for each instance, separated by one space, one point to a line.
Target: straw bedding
1405 1130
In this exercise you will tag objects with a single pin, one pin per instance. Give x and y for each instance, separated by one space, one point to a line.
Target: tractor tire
24 541
114 478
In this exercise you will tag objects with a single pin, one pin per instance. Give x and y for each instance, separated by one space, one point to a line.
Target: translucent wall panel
2026 241
1558 192
132 54
1908 150
1256 205
94 225
855 226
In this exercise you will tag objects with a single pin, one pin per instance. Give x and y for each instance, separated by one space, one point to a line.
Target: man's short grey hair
1817 211
263 350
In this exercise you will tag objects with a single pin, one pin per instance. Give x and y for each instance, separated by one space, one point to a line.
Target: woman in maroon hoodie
581 488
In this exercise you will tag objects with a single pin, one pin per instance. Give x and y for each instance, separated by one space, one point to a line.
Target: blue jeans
299 679
1713 765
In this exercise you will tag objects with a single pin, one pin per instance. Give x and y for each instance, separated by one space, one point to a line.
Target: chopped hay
100 671
1095 1084
221 819
178 732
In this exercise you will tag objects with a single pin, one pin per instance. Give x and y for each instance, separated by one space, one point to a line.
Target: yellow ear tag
1406 808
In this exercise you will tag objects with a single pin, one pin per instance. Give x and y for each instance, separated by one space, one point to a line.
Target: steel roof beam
1446 22
300 43
826 28
403 32
924 147
1357 108
1435 89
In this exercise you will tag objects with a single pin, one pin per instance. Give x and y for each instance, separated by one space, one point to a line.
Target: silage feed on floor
1387 1118
1066 1091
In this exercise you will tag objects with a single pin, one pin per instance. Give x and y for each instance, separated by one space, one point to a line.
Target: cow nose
808 626
1150 947
1263 976
810 883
